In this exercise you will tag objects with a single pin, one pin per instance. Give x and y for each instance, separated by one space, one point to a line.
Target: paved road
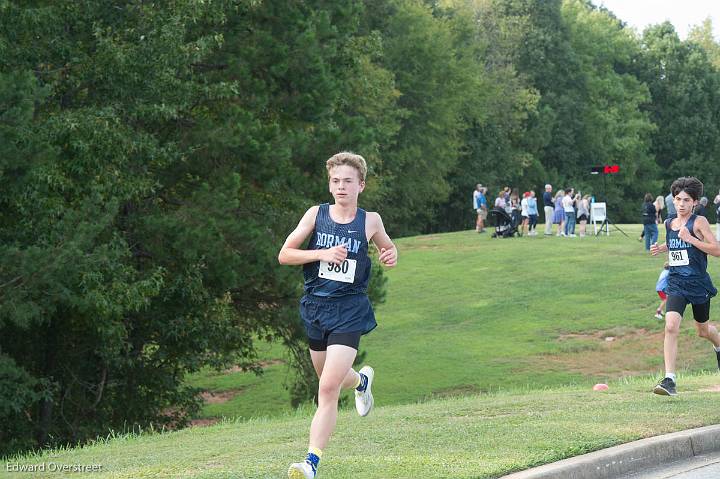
700 467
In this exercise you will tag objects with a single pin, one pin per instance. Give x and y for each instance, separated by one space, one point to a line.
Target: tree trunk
48 368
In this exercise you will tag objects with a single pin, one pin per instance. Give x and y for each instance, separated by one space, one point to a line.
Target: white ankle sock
670 375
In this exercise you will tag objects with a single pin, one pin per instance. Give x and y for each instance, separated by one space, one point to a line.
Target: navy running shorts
332 320
351 340
677 304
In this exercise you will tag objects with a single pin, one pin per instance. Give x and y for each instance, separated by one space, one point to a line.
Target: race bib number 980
678 257
344 271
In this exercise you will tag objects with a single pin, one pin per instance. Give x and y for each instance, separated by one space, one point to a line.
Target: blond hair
350 159
659 202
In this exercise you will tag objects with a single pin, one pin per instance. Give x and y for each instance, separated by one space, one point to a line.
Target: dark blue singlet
690 281
327 234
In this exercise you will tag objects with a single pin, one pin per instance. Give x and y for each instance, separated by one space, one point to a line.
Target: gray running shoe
666 387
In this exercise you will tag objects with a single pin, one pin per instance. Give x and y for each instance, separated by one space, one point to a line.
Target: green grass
467 314
485 355
478 436
247 390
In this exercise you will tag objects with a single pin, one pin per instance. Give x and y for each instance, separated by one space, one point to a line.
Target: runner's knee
329 389
672 327
703 331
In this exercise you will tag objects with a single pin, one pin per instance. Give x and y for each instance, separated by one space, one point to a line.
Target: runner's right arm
291 252
656 249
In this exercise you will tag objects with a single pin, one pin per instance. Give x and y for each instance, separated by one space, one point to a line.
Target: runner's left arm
388 251
708 243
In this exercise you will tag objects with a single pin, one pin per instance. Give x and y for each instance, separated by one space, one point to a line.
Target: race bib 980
344 271
678 257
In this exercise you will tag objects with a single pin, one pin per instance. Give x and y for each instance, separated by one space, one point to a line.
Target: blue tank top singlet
327 234
688 267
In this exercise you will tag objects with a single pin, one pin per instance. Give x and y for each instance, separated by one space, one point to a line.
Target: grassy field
479 436
468 314
485 355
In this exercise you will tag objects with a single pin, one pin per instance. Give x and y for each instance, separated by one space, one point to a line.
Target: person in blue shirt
335 309
688 241
480 207
670 205
660 287
532 213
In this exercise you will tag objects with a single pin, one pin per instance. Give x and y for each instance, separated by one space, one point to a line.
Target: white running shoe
364 399
301 470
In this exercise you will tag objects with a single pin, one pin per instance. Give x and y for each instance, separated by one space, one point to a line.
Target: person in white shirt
524 212
569 208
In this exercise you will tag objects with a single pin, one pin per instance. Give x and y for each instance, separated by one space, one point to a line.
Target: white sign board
598 214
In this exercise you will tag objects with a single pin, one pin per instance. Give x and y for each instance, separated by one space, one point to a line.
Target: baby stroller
505 225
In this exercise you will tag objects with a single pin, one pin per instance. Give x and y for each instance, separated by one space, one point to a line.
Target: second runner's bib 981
678 257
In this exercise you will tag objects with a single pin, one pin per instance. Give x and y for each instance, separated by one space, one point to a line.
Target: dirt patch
203 422
712 389
623 355
630 352
262 364
607 335
455 391
212 397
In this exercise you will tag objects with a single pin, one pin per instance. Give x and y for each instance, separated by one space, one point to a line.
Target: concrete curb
631 457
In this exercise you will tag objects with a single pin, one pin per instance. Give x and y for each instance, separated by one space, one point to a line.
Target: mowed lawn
466 314
485 357
478 436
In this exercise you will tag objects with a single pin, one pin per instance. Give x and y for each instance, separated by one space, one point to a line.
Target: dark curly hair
690 185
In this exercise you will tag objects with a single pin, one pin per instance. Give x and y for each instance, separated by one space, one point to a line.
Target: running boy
335 308
688 241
